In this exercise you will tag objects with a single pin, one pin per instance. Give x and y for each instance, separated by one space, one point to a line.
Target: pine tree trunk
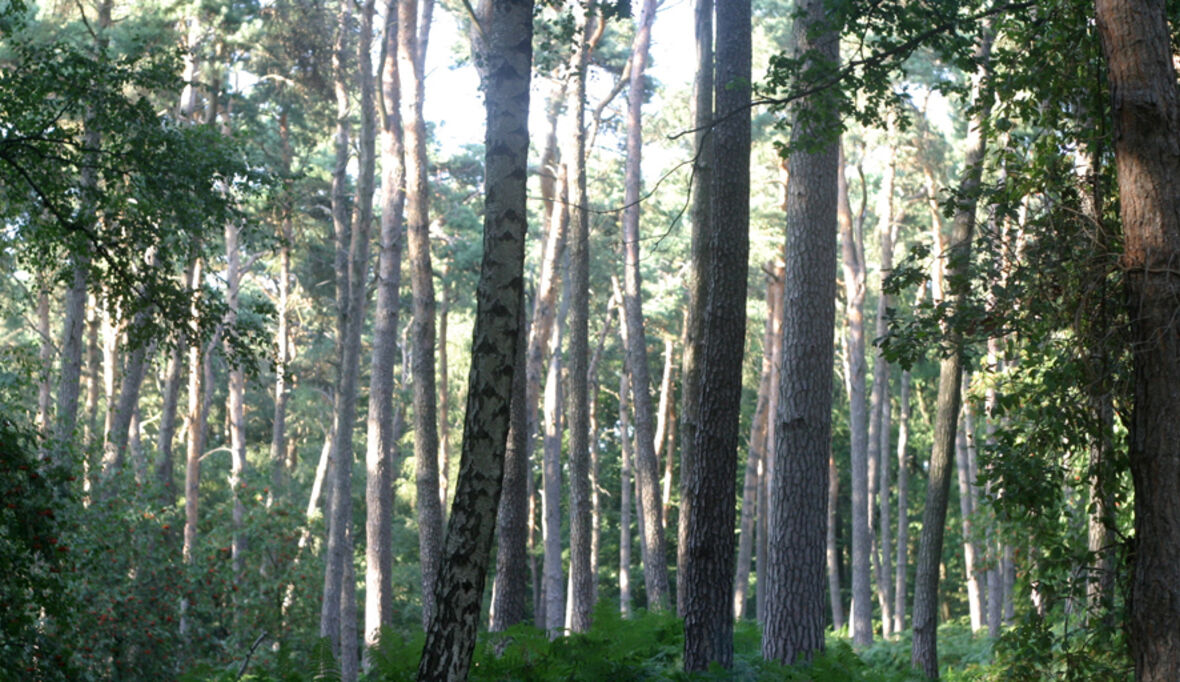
832 549
903 517
381 451
278 441
552 568
924 654
880 425
235 405
1146 108
794 620
975 605
698 286
506 58
193 427
625 503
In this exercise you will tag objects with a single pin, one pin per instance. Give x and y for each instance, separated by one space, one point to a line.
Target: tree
794 621
1146 110
709 557
924 654
505 30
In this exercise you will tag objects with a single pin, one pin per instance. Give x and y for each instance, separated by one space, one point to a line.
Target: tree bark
1146 108
709 565
794 621
381 452
975 605
646 465
506 58
697 284
924 654
430 512
903 502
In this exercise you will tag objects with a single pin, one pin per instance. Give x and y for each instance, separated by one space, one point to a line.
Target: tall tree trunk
794 626
903 502
879 409
625 503
595 469
194 419
778 299
444 393
554 585
975 605
709 569
381 452
235 400
655 572
854 299
506 56
430 513
924 654
698 285
663 450
1135 38
44 386
127 404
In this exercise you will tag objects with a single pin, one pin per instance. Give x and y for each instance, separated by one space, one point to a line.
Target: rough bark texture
380 443
794 621
581 581
924 654
655 573
854 348
506 56
1146 107
697 284
709 559
430 512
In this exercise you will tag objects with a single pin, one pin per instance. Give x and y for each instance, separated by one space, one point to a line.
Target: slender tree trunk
444 393
854 297
794 622
754 458
126 406
1146 108
554 586
195 445
44 386
430 513
506 58
778 299
647 467
903 516
975 606
832 549
879 410
235 401
924 655
278 441
663 419
595 470
698 285
625 503
381 451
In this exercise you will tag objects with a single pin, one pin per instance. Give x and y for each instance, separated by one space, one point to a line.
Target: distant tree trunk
171 397
235 400
506 58
757 443
625 503
127 403
778 299
444 392
193 426
278 440
552 568
879 409
647 467
709 569
975 606
924 655
832 549
1146 108
663 419
381 451
595 470
698 285
794 627
509 591
854 299
44 387
903 517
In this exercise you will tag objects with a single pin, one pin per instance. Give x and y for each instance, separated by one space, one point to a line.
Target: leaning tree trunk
794 620
505 59
655 573
1146 107
924 654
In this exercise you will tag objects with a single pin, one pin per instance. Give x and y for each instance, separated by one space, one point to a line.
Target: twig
242 670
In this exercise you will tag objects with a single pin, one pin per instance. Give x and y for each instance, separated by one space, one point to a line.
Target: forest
589 340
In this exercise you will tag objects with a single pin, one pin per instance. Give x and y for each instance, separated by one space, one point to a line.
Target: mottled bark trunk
794 621
1146 108
381 451
698 286
506 58
924 654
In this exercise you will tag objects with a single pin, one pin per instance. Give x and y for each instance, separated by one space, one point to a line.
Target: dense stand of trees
872 249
